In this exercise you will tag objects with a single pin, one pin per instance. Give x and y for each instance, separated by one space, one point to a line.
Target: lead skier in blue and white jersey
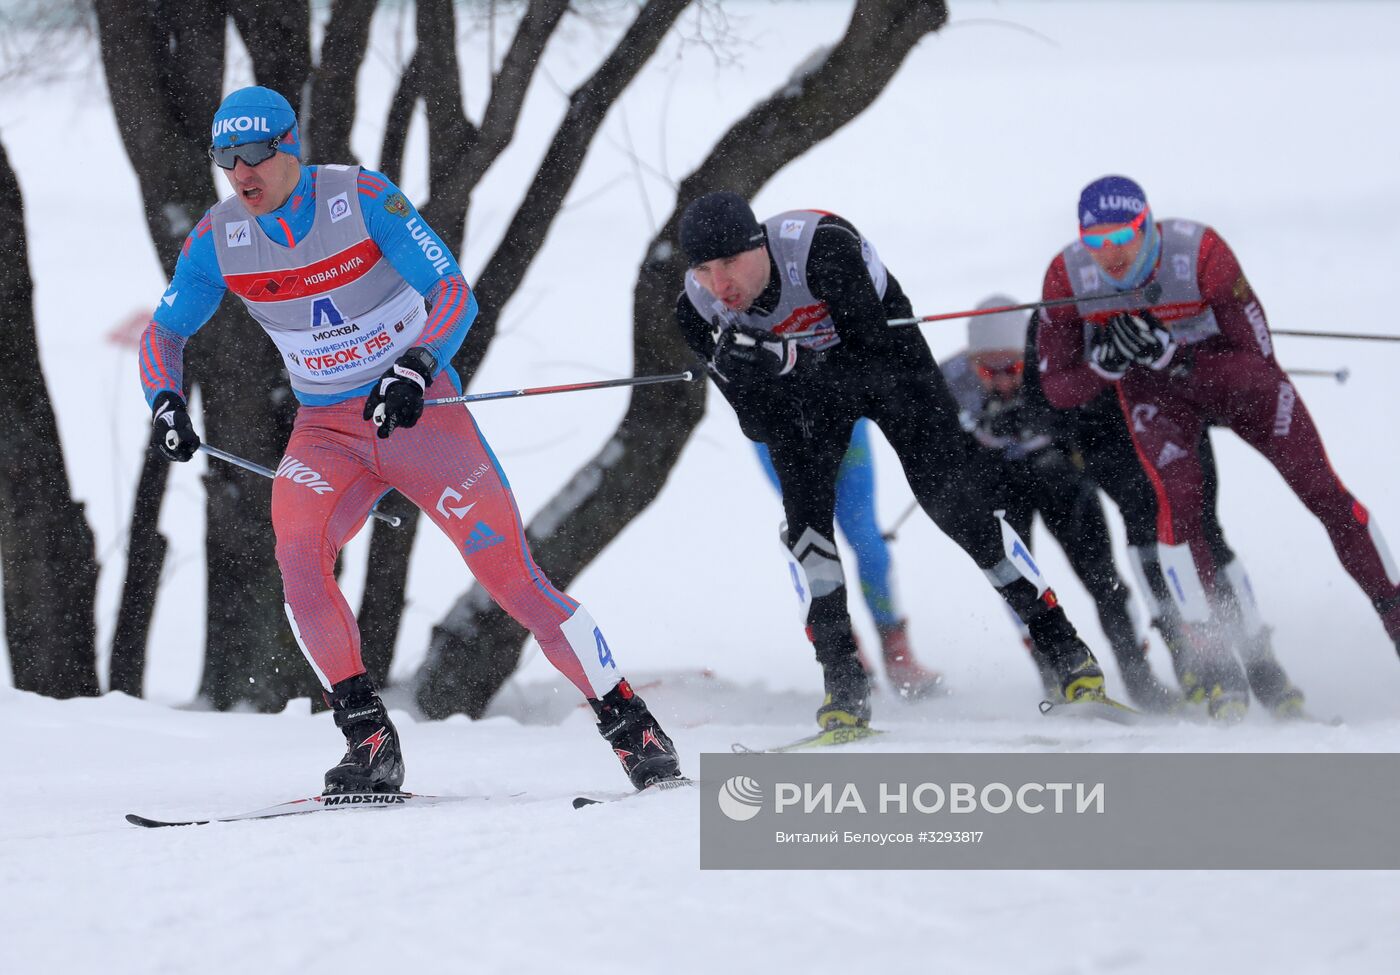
334 263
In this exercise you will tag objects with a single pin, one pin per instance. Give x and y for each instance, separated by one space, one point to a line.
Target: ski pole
1364 336
1341 375
1149 293
674 377
894 529
391 520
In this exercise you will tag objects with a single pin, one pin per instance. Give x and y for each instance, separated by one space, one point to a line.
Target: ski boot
847 701
1210 677
373 761
1144 689
645 751
1274 690
910 680
1220 687
1077 673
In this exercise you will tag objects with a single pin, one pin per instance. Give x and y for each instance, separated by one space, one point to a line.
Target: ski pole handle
675 377
394 521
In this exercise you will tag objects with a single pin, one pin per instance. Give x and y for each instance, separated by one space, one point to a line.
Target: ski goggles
252 153
1011 369
1119 237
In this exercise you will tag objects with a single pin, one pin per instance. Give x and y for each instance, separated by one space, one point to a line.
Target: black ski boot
373 761
1077 672
645 751
847 701
1269 682
1218 682
1144 689
1209 675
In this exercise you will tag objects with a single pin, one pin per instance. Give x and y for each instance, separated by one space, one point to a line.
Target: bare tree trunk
145 556
46 548
164 66
278 38
250 655
334 83
477 646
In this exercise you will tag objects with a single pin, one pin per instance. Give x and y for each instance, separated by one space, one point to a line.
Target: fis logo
482 537
237 234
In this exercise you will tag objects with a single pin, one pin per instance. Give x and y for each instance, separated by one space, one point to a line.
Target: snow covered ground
1265 119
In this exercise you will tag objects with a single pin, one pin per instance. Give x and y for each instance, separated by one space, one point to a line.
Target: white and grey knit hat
994 333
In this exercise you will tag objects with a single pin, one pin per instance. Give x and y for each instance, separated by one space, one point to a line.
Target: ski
665 785
1106 709
822 739
297 807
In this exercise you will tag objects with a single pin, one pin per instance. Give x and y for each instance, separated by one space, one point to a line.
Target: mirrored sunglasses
988 373
1119 237
252 153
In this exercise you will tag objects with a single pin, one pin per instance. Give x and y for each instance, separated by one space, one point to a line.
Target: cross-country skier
1097 435
1200 354
855 515
335 264
1028 468
809 272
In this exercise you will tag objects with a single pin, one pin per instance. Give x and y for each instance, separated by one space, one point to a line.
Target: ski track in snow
1250 120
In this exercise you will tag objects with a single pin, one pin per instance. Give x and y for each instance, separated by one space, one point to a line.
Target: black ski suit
876 371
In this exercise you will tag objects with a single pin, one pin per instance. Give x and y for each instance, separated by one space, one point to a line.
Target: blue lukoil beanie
1110 199
256 114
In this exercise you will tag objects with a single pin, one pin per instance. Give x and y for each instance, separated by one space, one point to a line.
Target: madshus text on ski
1147 334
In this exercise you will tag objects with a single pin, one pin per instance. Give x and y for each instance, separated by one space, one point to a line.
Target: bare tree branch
508 89
588 106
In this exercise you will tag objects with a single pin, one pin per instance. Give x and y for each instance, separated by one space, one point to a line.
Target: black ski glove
1105 356
397 399
744 351
1142 338
173 432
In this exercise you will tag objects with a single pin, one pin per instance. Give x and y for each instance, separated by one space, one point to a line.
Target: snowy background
1268 120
